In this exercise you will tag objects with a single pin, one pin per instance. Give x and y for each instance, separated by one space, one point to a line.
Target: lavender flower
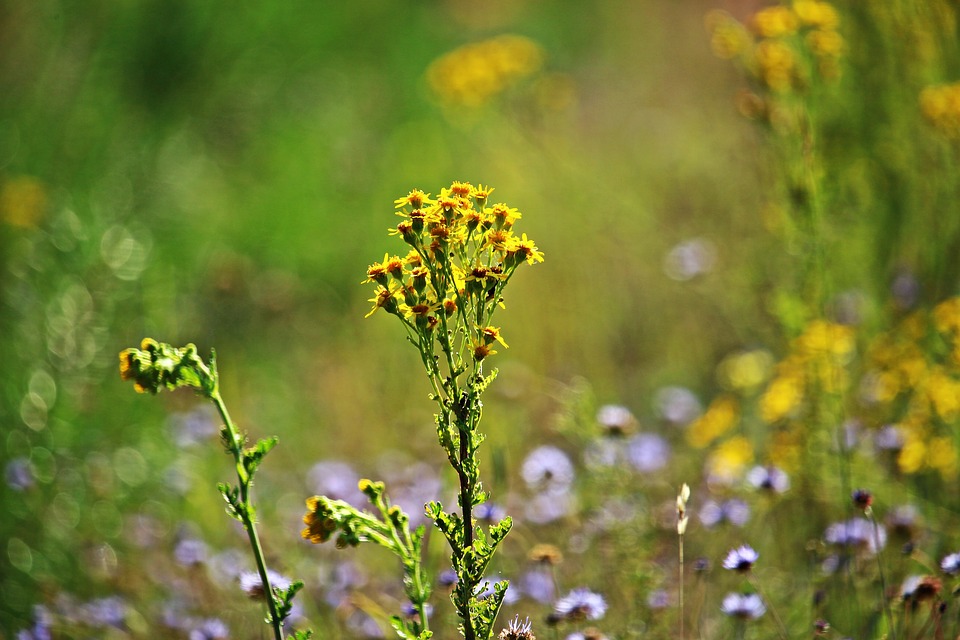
252 585
734 511
190 552
616 420
741 559
857 534
743 606
538 585
547 469
580 604
770 478
648 452
19 474
678 406
951 564
210 629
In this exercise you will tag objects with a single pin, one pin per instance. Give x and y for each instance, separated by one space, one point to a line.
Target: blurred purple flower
19 474
547 507
889 438
362 625
648 452
743 606
857 534
951 564
616 419
190 428
547 469
580 604
658 599
689 259
735 511
209 629
769 478
678 405
190 552
338 481
538 585
105 612
252 585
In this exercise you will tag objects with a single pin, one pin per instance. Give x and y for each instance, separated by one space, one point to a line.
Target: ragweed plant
156 366
444 292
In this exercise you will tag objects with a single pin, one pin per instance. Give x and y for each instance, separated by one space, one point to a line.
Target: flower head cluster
516 630
782 49
462 252
475 73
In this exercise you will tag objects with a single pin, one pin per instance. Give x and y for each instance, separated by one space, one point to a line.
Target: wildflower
19 474
902 520
580 604
658 599
489 512
209 629
741 559
105 612
362 625
447 578
775 22
734 511
320 525
920 588
522 249
415 199
337 480
616 419
770 478
648 452
862 499
689 259
190 552
516 630
386 300
820 627
590 633
743 606
537 585
890 438
951 564
547 468
856 534
550 505
252 585
677 405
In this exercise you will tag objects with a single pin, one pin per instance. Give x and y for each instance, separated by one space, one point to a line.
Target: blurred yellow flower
940 105
729 460
816 14
912 455
23 200
722 414
775 22
475 73
777 63
943 457
781 399
728 38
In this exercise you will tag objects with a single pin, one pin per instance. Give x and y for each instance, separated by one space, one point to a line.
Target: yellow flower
722 414
523 249
416 199
781 398
728 38
775 22
386 300
728 462
825 43
23 201
940 105
491 334
777 64
319 525
816 14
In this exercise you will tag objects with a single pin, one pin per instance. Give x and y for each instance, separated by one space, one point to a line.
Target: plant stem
682 635
466 504
883 582
236 447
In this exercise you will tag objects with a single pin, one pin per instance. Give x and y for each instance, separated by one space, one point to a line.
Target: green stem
236 447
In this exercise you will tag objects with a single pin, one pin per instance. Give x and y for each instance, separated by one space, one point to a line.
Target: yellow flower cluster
781 42
940 105
816 362
475 73
912 380
462 253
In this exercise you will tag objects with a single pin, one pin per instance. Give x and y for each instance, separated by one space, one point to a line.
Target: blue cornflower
580 604
616 420
744 606
741 559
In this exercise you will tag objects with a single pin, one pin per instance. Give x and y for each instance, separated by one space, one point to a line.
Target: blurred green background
223 175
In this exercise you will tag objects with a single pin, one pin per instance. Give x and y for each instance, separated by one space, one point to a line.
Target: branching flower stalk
445 291
155 366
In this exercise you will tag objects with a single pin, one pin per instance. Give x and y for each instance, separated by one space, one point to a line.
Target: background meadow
751 226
